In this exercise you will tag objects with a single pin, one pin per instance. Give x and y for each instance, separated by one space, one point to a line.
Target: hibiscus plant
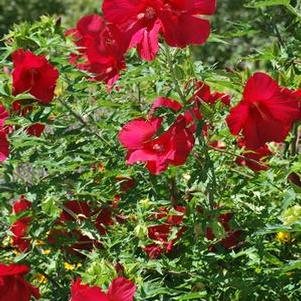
137 165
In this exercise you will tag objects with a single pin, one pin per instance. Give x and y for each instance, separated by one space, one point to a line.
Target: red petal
163 102
260 87
82 292
237 118
4 147
138 131
185 29
121 289
146 40
91 24
202 7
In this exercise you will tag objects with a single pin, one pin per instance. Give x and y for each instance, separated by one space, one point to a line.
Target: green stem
83 122
293 11
295 142
173 74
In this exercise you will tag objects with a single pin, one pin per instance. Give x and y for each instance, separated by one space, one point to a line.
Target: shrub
150 173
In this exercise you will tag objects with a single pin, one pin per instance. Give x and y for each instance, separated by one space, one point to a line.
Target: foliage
79 157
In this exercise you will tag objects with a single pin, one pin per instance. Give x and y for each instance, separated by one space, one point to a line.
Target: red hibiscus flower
254 158
126 183
4 146
103 220
178 22
21 205
13 286
74 241
121 289
20 227
19 230
233 237
35 129
160 234
35 75
170 148
101 48
266 112
74 210
203 93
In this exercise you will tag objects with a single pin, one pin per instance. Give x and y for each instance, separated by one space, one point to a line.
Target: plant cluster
130 170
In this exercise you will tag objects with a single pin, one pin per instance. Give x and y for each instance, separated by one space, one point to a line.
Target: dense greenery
78 157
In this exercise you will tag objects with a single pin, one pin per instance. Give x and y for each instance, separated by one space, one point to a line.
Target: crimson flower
101 48
254 158
20 227
160 234
203 93
75 209
73 241
266 113
35 75
126 183
4 145
103 220
21 205
19 230
13 286
233 237
177 20
121 289
172 147
35 129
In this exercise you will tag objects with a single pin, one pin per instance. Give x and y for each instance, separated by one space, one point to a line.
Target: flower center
109 41
149 14
159 148
108 70
260 110
33 75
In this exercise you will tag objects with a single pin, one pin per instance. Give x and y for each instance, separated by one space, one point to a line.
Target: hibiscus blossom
101 48
34 74
232 239
121 289
20 227
266 113
203 93
172 147
13 286
254 158
144 20
35 129
160 234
